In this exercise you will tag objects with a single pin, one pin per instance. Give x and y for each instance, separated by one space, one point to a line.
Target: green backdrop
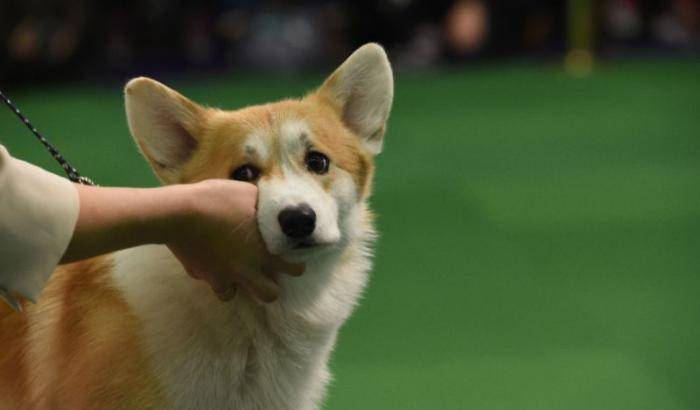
540 235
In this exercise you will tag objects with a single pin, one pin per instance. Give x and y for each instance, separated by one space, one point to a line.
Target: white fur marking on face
344 191
294 139
298 186
256 149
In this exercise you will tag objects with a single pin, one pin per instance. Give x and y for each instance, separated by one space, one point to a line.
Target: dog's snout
297 222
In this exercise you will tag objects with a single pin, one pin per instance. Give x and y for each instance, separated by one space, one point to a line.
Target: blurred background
80 39
538 198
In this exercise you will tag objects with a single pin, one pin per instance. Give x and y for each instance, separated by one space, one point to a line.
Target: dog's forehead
289 135
294 134
256 146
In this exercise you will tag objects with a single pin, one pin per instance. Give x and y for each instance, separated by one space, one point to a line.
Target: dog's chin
302 251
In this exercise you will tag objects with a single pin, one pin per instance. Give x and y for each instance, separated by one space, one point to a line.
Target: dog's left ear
362 90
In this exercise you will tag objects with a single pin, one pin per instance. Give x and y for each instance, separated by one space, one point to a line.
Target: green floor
540 243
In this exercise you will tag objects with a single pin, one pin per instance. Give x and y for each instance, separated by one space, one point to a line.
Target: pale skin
210 226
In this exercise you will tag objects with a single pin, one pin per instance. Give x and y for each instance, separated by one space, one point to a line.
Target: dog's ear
165 125
362 90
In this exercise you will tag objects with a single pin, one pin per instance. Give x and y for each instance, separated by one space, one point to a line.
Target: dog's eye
317 162
246 173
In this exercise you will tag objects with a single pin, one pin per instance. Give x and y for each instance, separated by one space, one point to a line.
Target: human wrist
176 216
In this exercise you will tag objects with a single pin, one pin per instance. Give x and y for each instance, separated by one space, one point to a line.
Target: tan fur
14 373
77 348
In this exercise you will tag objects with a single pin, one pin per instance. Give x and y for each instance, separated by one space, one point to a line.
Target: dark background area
538 198
80 39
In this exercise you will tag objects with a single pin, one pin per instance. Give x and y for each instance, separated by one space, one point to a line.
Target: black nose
297 222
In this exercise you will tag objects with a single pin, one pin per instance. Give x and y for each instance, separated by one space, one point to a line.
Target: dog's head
312 158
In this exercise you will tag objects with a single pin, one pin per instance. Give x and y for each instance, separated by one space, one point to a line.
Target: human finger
227 294
262 287
274 264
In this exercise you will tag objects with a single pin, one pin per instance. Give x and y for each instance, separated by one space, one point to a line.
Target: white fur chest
208 354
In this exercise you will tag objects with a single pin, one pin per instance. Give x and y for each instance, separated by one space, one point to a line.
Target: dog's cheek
345 194
326 207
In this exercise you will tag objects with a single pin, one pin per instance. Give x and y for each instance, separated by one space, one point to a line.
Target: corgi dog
131 330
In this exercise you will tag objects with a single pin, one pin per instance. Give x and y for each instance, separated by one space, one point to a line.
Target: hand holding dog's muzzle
220 243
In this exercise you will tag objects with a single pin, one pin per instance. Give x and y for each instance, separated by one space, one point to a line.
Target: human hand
210 226
219 241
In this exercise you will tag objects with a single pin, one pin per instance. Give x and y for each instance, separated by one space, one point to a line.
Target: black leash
70 170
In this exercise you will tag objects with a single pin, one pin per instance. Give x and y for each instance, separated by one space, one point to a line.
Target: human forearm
210 226
116 218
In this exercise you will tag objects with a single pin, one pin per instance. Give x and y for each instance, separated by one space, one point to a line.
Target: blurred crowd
72 39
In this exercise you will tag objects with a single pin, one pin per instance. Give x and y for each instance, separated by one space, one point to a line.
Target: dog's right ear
165 125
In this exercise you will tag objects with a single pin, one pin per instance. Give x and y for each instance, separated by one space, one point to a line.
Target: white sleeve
38 212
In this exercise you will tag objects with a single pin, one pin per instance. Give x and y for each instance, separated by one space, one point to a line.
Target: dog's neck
191 335
152 279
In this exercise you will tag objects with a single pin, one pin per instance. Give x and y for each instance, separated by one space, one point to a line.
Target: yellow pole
578 61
